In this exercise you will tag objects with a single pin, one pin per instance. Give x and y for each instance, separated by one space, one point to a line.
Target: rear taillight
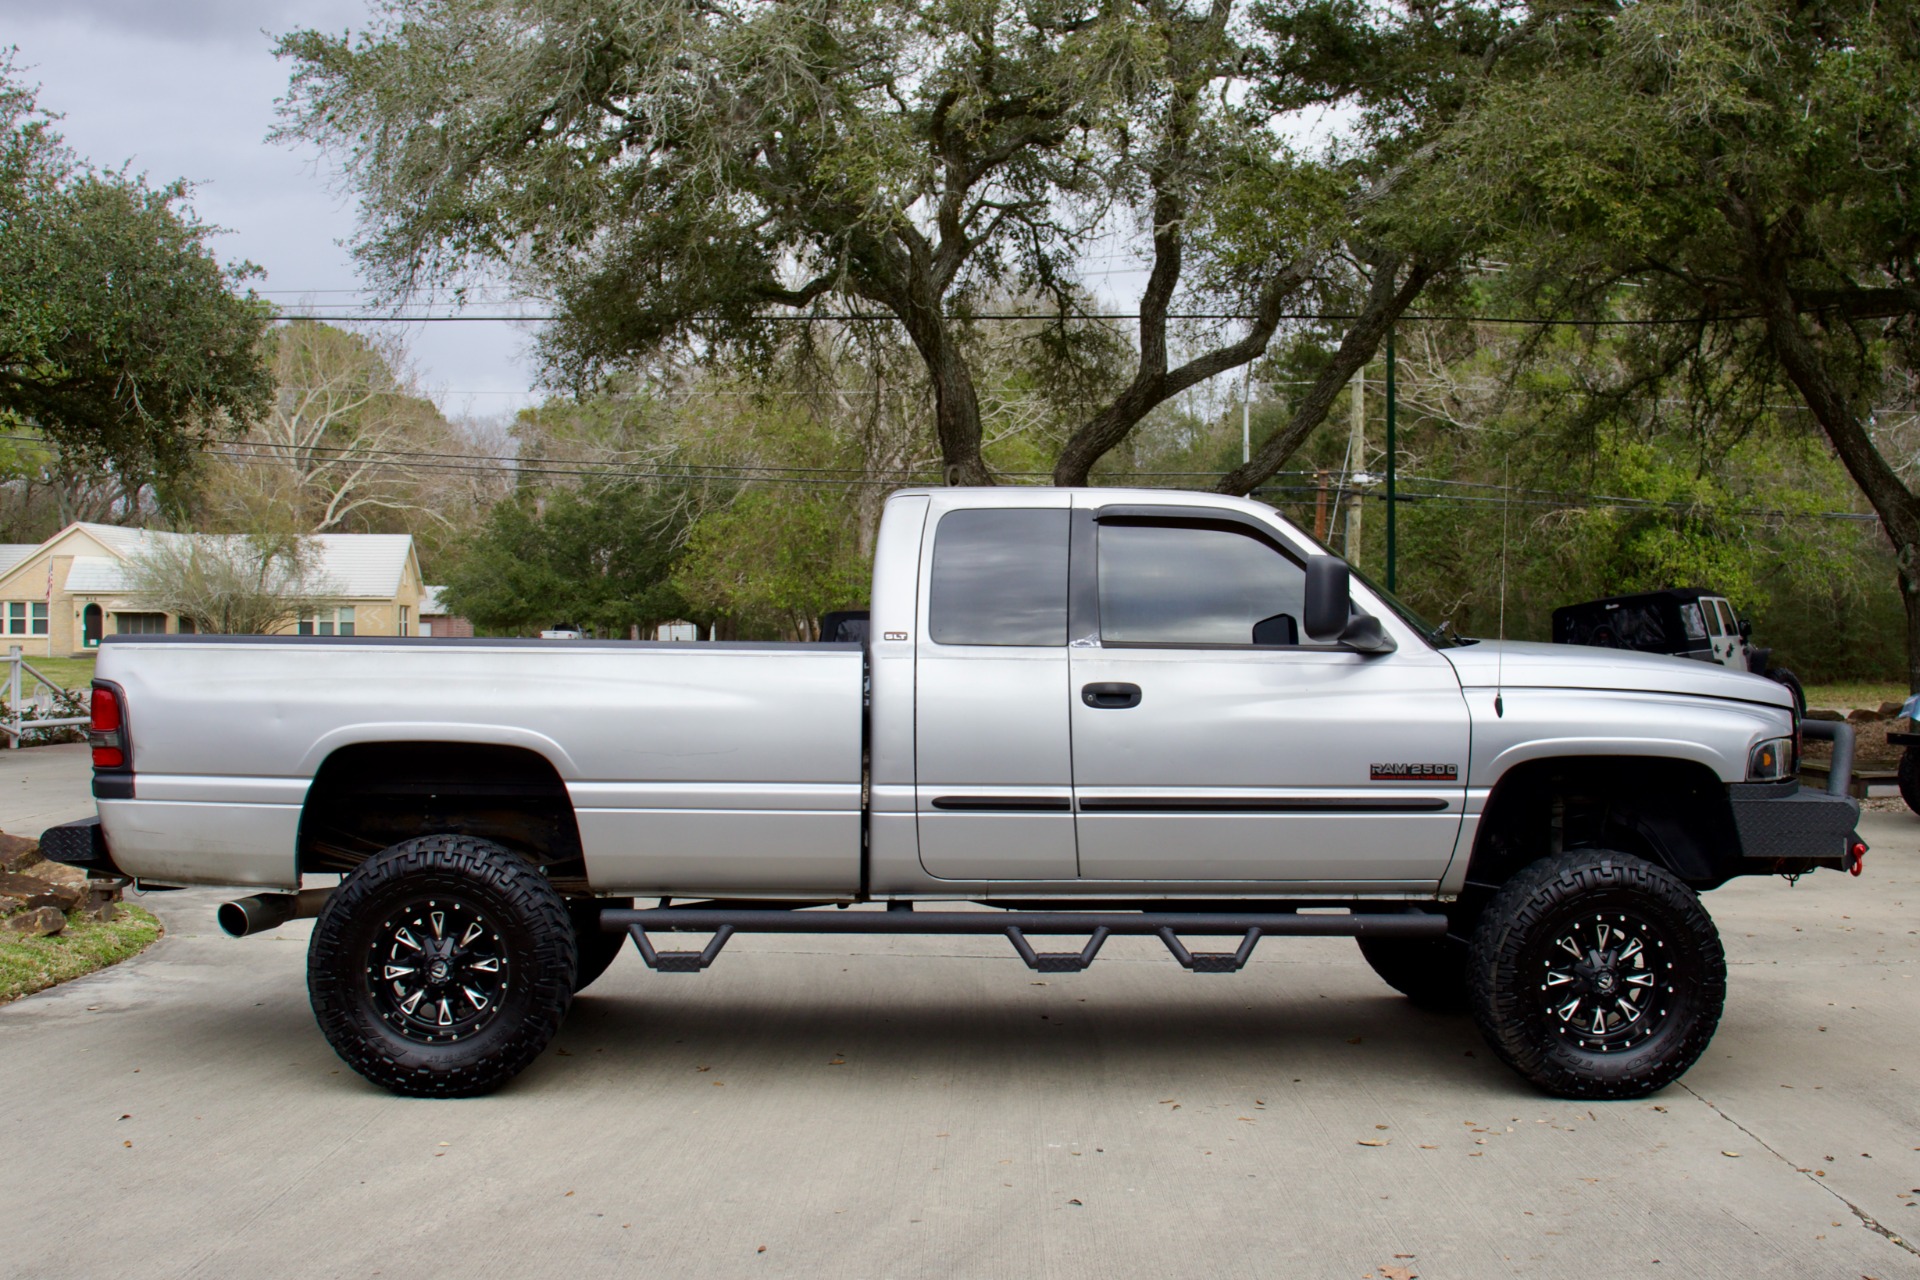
107 729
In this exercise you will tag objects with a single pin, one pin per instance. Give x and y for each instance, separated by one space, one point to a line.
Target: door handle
1112 694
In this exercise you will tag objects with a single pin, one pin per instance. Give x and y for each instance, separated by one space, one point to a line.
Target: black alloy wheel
442 967
1597 975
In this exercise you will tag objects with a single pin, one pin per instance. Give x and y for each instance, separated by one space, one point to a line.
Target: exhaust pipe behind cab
264 911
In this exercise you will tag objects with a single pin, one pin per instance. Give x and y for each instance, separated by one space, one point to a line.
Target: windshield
1440 637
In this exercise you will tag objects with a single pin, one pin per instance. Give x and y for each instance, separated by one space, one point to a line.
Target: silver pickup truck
1091 712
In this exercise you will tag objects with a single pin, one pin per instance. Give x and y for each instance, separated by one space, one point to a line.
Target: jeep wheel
1597 975
1909 776
1780 675
441 967
596 950
1431 972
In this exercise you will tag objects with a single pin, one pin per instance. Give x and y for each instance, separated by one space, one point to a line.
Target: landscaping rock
18 852
1891 710
15 885
39 922
1863 715
64 896
1824 713
9 903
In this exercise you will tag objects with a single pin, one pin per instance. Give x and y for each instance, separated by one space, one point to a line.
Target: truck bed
728 766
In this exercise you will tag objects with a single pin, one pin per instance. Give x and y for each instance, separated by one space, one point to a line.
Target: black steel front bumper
1786 831
79 844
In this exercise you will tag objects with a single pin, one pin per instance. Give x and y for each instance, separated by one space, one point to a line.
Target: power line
885 317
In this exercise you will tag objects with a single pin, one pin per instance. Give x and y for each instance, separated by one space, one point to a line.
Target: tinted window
1713 618
1000 577
1192 584
1690 619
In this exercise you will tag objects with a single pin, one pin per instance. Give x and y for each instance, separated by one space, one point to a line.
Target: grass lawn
1843 697
28 965
68 673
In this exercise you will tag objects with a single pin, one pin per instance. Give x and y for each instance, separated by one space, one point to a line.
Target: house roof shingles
351 566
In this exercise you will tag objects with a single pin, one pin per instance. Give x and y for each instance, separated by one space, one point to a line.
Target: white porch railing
16 725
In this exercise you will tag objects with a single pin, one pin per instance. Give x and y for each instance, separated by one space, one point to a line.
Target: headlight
1770 761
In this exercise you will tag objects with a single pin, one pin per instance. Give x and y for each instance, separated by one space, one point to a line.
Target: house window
140 624
187 626
403 619
328 622
26 618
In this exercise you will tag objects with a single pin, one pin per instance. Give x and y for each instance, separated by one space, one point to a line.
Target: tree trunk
1387 300
1892 501
956 404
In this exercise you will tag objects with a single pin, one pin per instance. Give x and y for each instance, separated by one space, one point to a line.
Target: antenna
1500 654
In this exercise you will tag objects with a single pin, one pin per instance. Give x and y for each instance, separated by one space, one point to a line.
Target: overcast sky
186 89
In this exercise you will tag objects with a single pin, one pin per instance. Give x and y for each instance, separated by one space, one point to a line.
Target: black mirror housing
1328 602
1365 635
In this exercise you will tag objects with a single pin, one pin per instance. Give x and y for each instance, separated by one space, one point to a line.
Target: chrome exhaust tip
262 911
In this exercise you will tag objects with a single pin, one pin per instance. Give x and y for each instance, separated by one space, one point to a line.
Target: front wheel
442 967
1909 777
1431 972
1597 975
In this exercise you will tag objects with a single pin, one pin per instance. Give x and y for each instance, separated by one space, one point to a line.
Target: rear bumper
79 844
1786 831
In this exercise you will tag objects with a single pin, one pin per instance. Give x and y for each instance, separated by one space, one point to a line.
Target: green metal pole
1391 503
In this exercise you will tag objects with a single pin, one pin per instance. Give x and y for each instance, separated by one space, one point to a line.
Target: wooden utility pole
1320 506
1356 462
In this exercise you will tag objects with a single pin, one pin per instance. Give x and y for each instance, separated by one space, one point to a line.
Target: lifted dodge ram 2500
1093 712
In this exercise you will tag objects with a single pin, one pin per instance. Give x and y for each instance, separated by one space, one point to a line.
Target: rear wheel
442 967
1597 975
596 950
1783 676
1431 972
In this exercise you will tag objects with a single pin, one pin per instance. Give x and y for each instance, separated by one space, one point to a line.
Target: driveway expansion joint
1867 1220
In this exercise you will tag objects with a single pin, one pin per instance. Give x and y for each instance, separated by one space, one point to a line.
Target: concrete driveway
860 1107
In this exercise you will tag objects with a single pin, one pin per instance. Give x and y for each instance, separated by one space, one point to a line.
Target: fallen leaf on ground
1373 1142
1731 1155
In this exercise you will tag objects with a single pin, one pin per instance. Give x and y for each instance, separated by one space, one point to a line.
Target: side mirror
1365 635
1328 601
1746 628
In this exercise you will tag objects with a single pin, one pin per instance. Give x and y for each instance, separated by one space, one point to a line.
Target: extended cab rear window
1000 578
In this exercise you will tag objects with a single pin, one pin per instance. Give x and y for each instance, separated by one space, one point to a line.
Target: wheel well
371 796
1673 813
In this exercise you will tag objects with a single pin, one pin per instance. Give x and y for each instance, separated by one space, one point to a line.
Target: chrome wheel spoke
425 977
1602 999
